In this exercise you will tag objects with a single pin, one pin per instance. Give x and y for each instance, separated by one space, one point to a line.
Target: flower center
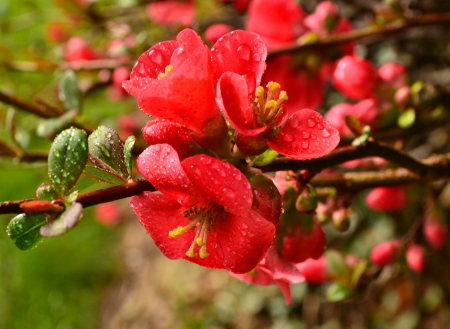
202 219
266 107
167 70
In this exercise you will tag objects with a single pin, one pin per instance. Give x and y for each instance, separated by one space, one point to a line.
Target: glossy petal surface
160 165
244 240
240 52
219 181
185 96
305 135
188 42
177 136
232 99
159 214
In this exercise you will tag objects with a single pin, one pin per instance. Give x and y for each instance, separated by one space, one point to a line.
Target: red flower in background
274 269
169 12
385 253
77 49
204 213
386 198
314 270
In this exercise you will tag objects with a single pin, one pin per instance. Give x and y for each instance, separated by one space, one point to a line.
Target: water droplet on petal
157 148
326 133
256 57
155 56
319 126
244 52
313 136
219 251
207 160
305 144
288 137
305 134
293 121
247 185
311 123
228 192
237 177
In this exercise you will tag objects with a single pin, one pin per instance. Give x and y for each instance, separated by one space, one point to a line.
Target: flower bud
355 77
402 95
414 258
307 201
340 220
385 253
392 73
216 31
322 213
435 231
314 270
386 199
107 213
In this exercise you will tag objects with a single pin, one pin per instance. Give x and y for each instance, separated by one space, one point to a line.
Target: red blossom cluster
211 117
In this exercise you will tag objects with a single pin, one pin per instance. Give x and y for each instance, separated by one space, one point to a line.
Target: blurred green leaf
50 127
357 272
24 230
265 158
406 119
336 265
363 138
69 93
129 144
354 125
67 159
337 292
67 221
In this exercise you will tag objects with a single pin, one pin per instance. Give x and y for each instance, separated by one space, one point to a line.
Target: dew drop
256 57
219 251
243 233
305 144
247 185
305 134
293 121
244 225
313 136
228 192
288 137
108 135
237 177
155 56
244 52
311 123
265 197
57 153
157 148
207 160
326 133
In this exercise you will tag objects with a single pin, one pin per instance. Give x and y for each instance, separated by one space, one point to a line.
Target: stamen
273 87
167 70
180 229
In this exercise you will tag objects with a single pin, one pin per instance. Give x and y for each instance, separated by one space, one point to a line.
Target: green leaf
46 192
67 159
24 230
67 221
265 158
50 127
406 119
337 292
129 144
105 144
69 93
336 265
357 272
102 175
361 139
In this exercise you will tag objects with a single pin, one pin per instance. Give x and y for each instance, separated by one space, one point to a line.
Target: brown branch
369 31
23 105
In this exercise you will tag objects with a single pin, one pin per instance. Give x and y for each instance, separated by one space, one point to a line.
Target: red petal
281 268
171 11
154 61
164 132
277 22
185 96
266 199
134 86
219 181
243 240
213 260
232 99
160 165
240 52
188 42
160 214
259 276
305 135
285 289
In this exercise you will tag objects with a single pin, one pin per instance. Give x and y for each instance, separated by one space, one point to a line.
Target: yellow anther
190 253
176 232
167 70
282 97
273 86
259 92
200 241
271 104
203 253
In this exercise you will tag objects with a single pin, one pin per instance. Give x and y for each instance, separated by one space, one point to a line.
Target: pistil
266 107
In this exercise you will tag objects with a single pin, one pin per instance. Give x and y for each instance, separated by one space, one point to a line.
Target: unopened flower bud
307 201
414 258
322 213
340 220
435 231
402 95
314 270
386 199
385 253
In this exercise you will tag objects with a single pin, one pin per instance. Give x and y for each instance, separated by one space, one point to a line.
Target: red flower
262 122
274 269
415 258
435 230
216 31
204 213
314 270
386 199
385 253
355 77
171 11
300 244
77 49
393 73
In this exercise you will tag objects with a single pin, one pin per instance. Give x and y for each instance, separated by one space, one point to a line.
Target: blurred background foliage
101 276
